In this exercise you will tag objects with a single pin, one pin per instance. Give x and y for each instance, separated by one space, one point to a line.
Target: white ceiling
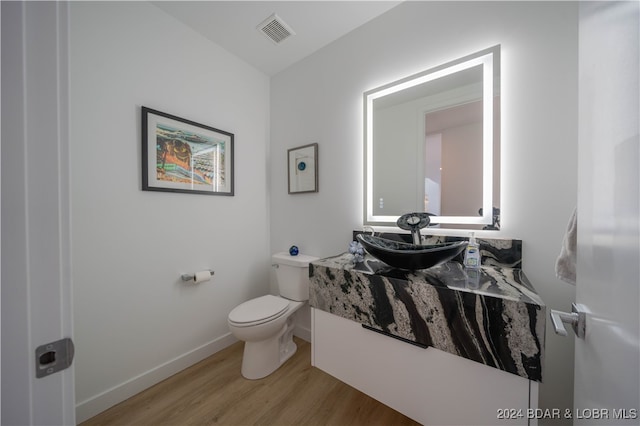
232 25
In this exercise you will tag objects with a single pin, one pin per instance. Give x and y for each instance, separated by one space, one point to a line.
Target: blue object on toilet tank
293 250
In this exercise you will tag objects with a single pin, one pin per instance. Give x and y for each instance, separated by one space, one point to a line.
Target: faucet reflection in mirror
432 145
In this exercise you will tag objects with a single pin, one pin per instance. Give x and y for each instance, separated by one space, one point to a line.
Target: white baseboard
98 403
302 332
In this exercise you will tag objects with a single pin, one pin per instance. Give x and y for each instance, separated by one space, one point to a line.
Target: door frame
36 306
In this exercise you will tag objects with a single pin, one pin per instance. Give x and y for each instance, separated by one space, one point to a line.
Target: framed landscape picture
180 155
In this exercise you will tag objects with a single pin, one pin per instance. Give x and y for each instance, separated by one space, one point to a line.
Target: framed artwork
179 155
303 169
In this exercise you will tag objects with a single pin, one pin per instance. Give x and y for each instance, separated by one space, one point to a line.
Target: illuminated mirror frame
490 61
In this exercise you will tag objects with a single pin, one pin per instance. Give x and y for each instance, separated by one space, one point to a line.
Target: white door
607 360
36 288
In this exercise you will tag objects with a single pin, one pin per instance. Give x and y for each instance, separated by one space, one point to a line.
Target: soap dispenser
472 253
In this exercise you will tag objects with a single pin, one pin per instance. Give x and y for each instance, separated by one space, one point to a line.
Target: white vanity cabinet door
427 385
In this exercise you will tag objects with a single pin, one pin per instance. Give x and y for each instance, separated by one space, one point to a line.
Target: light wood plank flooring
213 392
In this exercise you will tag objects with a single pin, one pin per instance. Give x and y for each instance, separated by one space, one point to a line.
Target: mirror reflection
432 145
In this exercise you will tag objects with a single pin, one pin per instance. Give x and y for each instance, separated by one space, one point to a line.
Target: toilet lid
259 309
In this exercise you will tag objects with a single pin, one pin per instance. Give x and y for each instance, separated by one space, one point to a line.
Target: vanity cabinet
443 345
428 385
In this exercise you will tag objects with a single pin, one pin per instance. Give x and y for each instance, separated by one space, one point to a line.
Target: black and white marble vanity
443 345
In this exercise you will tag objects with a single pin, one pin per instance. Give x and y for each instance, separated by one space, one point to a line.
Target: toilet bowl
266 323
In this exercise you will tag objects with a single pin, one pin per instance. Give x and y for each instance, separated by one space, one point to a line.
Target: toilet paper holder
192 277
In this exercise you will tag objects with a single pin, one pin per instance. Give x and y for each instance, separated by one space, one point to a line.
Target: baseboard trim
302 332
107 399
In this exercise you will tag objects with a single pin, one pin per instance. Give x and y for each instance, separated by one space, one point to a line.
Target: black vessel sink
410 256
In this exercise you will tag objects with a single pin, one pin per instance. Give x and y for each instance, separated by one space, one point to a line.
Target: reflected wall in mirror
432 144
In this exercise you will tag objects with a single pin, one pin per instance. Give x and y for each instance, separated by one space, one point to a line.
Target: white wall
319 100
135 320
397 139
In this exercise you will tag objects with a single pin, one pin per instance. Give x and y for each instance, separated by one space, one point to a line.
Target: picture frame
303 169
180 155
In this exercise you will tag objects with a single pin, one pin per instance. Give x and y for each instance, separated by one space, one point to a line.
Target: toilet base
264 357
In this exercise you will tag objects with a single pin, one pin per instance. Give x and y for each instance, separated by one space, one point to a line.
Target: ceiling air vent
275 29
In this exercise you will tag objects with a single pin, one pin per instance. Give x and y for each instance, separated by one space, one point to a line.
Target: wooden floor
213 392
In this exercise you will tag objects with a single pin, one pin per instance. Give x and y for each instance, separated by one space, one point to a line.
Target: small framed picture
179 155
303 169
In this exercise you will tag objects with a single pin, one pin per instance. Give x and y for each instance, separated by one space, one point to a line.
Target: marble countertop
491 315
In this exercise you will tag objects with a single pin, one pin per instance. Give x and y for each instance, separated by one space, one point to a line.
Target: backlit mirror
432 144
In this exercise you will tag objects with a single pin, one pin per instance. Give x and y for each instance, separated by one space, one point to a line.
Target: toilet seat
259 310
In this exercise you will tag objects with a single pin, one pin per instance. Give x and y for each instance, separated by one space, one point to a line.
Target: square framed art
303 169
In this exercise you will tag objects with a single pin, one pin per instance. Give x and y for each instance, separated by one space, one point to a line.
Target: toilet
266 323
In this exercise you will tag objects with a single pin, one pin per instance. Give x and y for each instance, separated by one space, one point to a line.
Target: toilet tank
292 274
